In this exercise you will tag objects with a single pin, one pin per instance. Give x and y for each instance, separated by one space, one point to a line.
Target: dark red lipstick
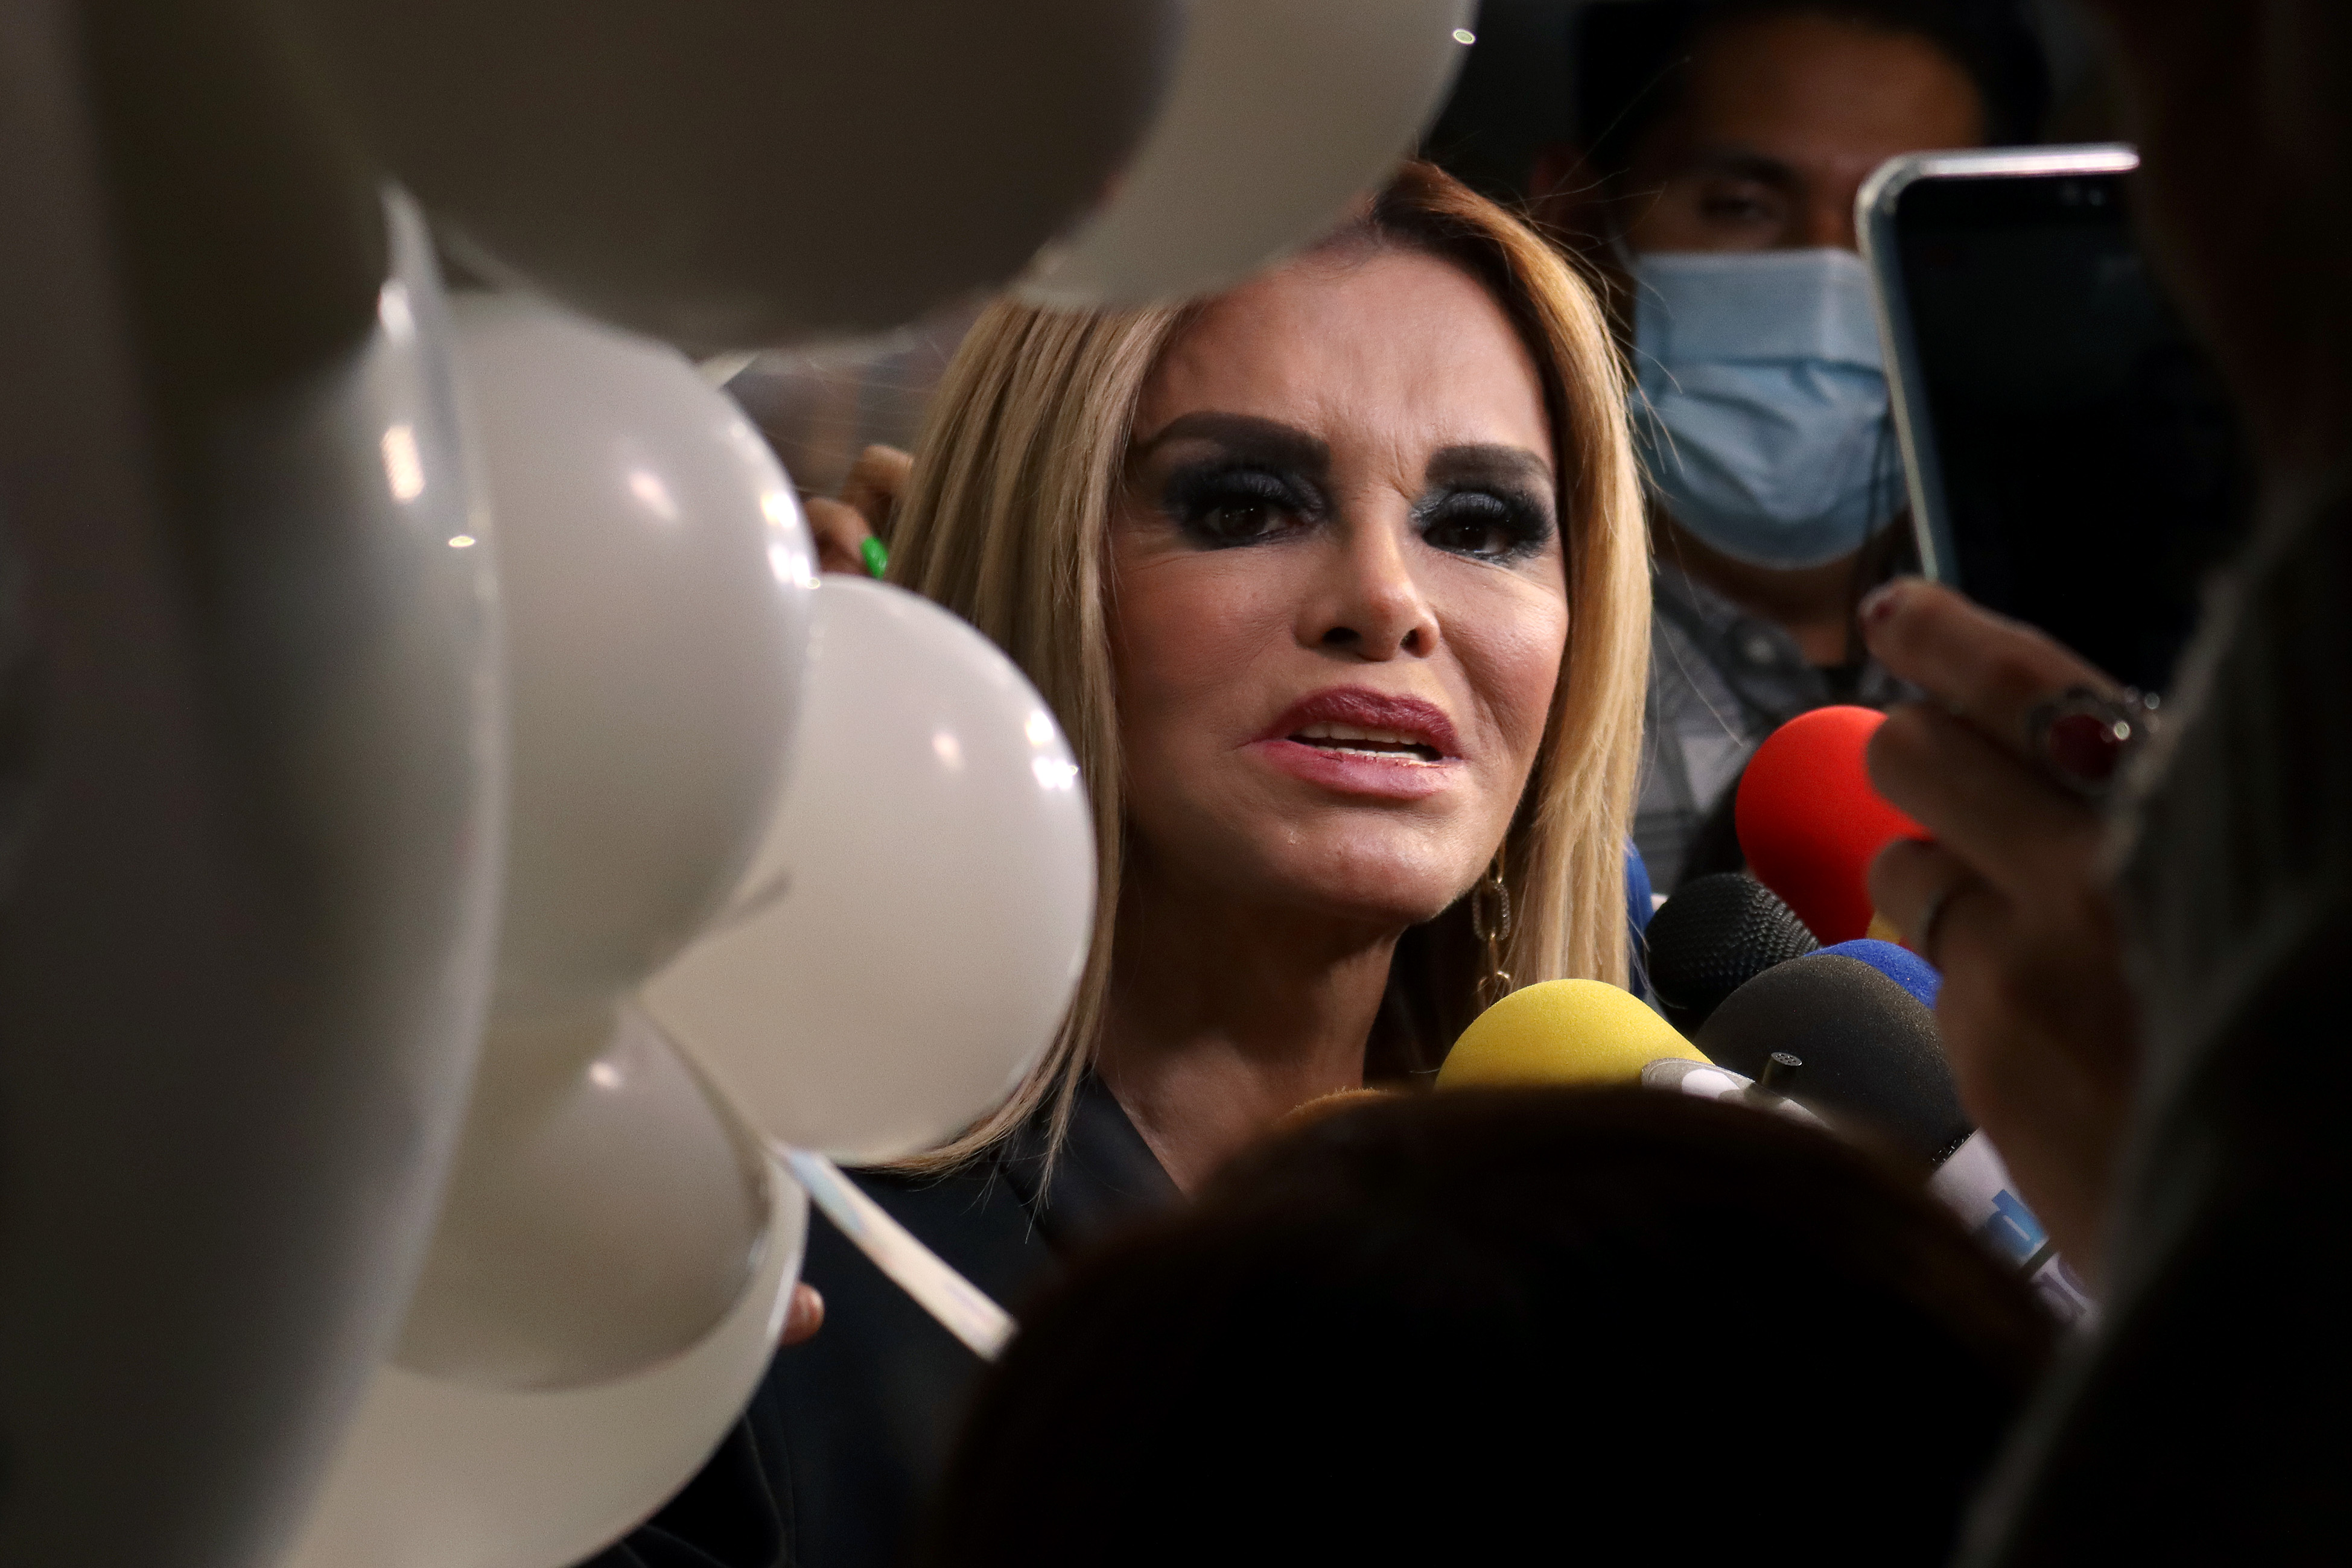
1356 741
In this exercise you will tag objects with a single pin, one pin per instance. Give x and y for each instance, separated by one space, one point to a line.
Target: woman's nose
1369 604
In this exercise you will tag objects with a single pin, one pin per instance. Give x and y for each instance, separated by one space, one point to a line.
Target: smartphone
2074 459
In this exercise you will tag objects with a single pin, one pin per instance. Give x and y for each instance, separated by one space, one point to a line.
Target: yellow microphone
1563 1033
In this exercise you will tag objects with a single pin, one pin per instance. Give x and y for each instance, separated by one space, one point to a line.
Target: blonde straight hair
1015 476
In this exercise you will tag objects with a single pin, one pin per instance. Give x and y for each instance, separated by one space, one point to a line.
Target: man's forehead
1803 89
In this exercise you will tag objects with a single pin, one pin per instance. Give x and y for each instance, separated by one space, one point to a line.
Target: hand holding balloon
2008 900
803 1317
847 529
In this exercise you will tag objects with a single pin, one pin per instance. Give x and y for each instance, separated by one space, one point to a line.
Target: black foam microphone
1713 936
1843 1038
1868 1053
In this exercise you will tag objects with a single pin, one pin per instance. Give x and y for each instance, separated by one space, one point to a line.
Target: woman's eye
1238 522
1486 528
1234 508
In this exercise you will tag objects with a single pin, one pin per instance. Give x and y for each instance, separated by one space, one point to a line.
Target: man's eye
1736 204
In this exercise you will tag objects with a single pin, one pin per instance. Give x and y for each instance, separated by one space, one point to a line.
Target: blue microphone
1900 965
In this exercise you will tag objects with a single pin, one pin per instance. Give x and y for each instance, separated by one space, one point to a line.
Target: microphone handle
1705 1080
1974 1184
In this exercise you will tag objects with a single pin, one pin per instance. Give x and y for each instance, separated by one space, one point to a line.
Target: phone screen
2090 462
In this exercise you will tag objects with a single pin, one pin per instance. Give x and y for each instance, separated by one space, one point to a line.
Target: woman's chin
1374 895
1389 865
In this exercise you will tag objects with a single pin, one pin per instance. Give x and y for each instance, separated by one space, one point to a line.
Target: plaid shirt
1721 679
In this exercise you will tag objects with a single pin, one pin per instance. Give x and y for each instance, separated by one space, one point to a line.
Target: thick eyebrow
1268 441
1490 464
1740 164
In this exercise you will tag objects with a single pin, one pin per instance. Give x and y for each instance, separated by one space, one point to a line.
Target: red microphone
1810 825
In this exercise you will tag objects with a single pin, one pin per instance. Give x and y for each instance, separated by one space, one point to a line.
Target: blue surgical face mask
1763 410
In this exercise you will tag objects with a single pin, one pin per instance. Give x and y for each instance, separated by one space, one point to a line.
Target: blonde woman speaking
1336 583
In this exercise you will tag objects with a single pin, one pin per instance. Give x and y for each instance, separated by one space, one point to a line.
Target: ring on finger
2083 737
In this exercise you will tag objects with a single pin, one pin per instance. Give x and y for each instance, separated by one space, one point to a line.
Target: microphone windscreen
1809 824
1639 903
1869 1055
1561 1031
1714 935
1900 965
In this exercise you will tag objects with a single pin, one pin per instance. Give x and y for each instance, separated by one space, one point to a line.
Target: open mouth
1348 740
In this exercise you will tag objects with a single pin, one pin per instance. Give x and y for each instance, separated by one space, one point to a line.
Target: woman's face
1340 600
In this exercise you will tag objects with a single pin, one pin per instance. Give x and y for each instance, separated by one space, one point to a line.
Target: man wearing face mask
1723 142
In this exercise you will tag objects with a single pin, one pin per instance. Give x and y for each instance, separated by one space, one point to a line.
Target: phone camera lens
2071 194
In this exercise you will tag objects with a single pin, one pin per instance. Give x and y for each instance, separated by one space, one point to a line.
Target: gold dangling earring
1490 921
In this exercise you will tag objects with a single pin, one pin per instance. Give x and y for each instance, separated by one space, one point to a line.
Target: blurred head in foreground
1489 1325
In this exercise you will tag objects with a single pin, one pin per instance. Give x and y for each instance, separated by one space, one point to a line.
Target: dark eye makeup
1496 524
1259 482
1223 502
1489 503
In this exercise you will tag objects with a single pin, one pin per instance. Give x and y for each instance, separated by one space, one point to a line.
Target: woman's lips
1360 742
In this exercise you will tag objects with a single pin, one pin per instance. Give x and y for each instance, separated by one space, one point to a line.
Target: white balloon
917 916
254 716
732 175
658 576
441 1473
584 1331
604 1212
1284 114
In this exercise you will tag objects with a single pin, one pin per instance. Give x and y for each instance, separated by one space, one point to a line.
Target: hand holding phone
2074 461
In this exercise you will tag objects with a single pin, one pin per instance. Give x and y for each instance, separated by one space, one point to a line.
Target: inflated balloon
731 175
255 710
604 1213
658 578
657 581
441 1473
1284 114
911 931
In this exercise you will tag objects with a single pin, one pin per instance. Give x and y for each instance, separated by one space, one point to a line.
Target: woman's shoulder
855 1423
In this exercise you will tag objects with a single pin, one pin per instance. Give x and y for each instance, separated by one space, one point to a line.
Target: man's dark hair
1478 1326
1631 59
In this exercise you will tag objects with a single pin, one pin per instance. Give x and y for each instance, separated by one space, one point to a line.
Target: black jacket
834 1459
